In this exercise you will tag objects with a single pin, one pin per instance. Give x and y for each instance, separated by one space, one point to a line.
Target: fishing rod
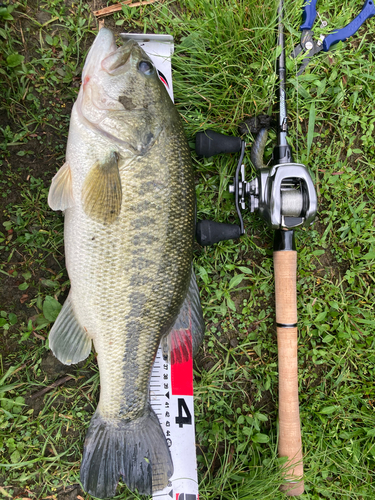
284 196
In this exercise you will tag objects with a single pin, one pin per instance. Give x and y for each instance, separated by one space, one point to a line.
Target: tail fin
136 450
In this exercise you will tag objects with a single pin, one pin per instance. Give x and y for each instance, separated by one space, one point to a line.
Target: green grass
223 73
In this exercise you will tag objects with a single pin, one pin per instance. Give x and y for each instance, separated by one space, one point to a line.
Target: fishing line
288 16
297 91
297 111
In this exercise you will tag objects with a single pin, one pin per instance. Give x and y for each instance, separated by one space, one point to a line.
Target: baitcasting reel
283 194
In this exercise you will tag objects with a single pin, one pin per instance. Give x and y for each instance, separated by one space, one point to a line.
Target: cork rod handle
290 442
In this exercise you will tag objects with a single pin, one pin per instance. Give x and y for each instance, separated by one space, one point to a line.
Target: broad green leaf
14 60
260 438
368 256
247 431
39 303
328 410
240 447
258 349
5 15
12 319
245 270
262 314
321 87
15 457
290 65
360 207
267 383
49 283
223 308
7 413
231 304
236 280
203 274
51 308
321 317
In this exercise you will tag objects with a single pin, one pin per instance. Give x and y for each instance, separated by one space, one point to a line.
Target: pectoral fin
101 192
60 196
68 341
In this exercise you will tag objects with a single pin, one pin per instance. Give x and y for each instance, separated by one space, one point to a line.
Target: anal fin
187 332
68 341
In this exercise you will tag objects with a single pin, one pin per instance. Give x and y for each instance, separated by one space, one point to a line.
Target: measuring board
171 394
171 386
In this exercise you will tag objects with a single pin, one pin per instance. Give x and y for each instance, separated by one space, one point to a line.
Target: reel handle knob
210 143
209 232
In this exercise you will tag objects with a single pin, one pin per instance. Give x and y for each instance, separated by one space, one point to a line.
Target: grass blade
310 130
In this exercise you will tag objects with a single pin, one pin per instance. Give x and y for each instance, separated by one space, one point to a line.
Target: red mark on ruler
182 378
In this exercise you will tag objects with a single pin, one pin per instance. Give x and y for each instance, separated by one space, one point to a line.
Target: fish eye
146 67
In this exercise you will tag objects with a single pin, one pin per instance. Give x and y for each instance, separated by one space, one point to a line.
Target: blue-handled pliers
311 46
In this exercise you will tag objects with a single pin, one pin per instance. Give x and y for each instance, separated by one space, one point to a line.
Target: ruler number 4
182 419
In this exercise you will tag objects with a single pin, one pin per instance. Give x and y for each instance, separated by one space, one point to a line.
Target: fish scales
127 189
115 257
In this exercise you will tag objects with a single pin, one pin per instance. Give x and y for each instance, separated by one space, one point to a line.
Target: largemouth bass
128 193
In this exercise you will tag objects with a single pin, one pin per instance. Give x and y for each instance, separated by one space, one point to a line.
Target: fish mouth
105 55
117 61
104 44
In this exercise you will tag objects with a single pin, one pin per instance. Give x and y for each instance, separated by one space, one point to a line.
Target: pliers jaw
309 46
